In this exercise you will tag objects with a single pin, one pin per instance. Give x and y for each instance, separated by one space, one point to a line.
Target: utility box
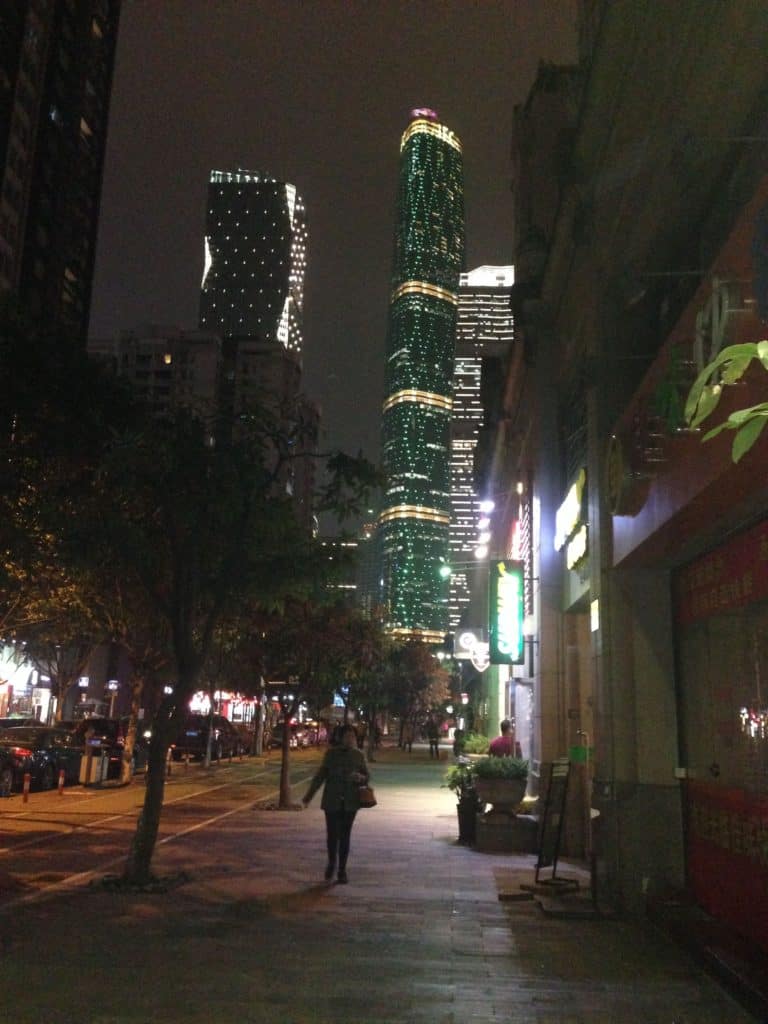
94 765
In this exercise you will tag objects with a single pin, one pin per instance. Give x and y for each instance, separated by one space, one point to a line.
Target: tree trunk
137 868
258 736
129 745
285 768
372 733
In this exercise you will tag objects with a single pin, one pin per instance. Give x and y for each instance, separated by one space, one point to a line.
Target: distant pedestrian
433 735
407 735
343 771
458 742
505 744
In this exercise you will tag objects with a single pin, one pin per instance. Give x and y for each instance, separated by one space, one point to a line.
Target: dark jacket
336 771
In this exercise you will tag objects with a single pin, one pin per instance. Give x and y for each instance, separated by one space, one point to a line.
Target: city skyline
195 89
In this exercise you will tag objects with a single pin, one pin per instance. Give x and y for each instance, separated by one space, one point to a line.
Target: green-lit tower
429 256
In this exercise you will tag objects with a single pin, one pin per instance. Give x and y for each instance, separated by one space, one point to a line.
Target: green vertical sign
505 607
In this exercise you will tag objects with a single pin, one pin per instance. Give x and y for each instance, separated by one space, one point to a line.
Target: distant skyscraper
252 295
484 328
429 254
56 61
255 258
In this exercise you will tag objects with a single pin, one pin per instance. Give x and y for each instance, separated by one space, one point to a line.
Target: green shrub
460 779
476 743
500 768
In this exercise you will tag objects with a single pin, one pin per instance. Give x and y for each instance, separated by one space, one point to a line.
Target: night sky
317 93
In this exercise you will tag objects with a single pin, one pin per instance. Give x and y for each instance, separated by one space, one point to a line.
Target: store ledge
739 965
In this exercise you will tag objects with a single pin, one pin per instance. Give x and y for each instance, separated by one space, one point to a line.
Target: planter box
505 795
504 834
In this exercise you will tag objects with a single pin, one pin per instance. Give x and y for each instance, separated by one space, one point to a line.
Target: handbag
366 796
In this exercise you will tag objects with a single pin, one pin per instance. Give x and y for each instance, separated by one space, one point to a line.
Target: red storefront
721 612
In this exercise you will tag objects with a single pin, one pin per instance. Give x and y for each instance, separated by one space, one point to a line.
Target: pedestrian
458 742
505 744
343 770
433 735
407 735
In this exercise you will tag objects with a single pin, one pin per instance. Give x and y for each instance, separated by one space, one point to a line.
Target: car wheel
48 777
6 781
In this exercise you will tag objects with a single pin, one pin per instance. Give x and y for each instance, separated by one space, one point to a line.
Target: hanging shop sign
505 627
570 525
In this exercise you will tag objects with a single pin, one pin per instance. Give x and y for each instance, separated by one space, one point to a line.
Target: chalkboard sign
551 823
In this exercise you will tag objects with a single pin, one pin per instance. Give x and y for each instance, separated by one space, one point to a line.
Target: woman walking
343 771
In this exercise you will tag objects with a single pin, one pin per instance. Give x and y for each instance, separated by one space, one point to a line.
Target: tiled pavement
418 935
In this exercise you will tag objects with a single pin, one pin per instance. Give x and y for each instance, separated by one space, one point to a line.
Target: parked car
192 738
300 736
16 722
42 751
245 731
110 734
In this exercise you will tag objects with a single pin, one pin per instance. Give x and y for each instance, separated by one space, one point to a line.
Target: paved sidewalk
418 935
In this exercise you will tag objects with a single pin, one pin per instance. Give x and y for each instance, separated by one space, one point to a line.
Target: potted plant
476 744
460 779
500 781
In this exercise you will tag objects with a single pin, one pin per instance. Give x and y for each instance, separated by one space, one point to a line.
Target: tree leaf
762 353
734 369
710 396
747 436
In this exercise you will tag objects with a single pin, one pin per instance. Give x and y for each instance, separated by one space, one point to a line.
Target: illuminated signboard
505 592
570 529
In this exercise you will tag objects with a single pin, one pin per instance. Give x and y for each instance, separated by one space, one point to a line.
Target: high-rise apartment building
255 258
429 255
56 62
484 330
167 366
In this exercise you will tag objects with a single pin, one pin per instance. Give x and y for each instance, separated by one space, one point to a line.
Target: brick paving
419 935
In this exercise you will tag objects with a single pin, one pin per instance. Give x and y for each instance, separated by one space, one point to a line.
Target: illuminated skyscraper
255 258
429 254
484 330
252 295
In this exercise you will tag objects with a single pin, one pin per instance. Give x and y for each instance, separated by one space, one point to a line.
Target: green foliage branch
704 397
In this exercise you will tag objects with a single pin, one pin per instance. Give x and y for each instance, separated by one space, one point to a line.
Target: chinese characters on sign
731 577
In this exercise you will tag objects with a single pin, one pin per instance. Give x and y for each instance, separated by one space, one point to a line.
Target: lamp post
112 687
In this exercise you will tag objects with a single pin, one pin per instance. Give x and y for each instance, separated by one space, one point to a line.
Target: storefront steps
739 965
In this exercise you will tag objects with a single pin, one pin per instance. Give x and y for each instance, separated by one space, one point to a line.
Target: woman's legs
338 830
346 819
332 839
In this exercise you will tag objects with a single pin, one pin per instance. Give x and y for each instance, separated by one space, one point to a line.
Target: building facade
252 296
167 366
56 63
484 330
429 254
648 543
255 259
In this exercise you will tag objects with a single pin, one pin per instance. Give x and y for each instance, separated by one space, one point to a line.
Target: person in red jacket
505 745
